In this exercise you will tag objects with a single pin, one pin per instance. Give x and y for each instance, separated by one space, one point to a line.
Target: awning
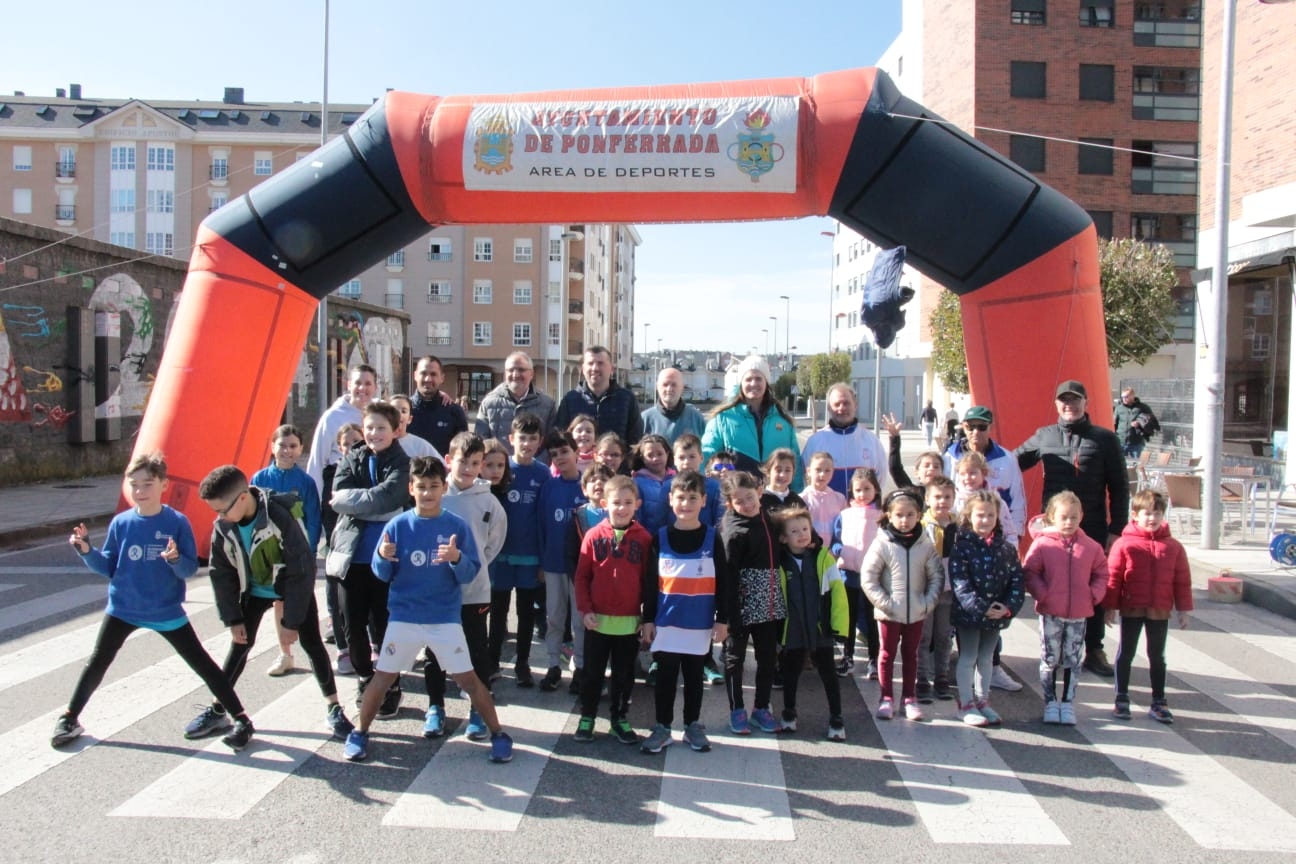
1253 262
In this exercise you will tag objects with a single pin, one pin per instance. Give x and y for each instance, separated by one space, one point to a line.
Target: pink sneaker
885 709
913 711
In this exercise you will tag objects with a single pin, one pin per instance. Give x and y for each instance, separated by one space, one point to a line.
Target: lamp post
765 330
832 263
774 330
645 345
656 367
787 308
323 371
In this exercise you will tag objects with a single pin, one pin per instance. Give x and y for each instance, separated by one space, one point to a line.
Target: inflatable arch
848 144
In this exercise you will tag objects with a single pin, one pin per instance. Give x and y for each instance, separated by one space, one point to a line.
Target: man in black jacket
434 416
1087 460
1135 423
613 407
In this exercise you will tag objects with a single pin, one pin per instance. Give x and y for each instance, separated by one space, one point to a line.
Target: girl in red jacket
1148 578
1066 573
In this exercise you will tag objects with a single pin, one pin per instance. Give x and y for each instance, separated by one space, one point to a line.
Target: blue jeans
1133 451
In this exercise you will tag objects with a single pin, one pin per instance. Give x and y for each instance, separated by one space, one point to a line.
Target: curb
19 538
1258 592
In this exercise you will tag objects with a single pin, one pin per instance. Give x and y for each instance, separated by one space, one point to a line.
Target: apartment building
143 174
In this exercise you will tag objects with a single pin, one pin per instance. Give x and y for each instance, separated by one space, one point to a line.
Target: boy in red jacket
1148 578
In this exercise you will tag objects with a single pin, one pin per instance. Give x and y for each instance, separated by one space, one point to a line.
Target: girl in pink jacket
1066 573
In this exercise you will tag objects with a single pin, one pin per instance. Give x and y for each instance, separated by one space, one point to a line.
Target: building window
1028 11
218 200
521 335
396 259
1260 346
1097 83
159 243
22 201
263 163
1027 151
159 200
522 250
1175 231
483 249
1097 13
1164 168
1096 156
553 293
122 157
1165 93
121 201
1102 220
161 157
1176 26
439 249
122 238
481 332
522 293
219 168
350 289
555 333
1027 79
481 291
555 250
22 157
66 166
395 298
438 292
438 333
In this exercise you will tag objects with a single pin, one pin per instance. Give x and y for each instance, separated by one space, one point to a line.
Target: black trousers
499 611
112 635
669 666
599 649
764 638
254 609
364 609
1131 629
794 662
473 616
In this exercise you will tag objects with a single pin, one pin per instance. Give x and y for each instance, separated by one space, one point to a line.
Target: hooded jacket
616 410
735 429
902 583
1087 460
279 557
484 514
359 498
754 590
817 606
613 577
983 573
1067 576
1148 570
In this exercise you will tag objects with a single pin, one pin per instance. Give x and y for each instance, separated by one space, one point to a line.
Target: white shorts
403 641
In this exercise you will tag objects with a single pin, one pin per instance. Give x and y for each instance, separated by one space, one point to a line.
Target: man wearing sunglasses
1089 461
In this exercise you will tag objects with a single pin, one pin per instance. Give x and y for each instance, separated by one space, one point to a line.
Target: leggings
499 623
254 608
934 648
1061 647
853 593
1156 644
976 654
621 650
907 636
331 591
364 608
764 639
793 662
473 617
112 635
669 666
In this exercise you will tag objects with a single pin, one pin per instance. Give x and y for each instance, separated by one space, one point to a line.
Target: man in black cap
1089 461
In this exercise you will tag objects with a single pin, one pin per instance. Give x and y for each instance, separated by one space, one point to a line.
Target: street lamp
774 318
660 358
765 330
831 265
787 303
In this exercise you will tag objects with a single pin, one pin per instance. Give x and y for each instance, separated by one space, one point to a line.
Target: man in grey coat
516 393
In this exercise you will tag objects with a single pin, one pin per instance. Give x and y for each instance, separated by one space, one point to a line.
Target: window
1260 346
439 250
395 298
1027 151
483 249
522 293
1096 13
1175 231
481 291
521 335
122 157
1097 83
219 167
1028 11
481 332
159 201
438 333
22 157
121 201
522 250
1102 220
555 333
1027 79
218 200
554 293
1095 156
263 163
66 166
555 250
161 157
122 238
159 242
350 289
22 201
1164 168
438 292
1165 93
396 259
65 209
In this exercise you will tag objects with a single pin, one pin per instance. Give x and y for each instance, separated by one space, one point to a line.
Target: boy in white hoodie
470 498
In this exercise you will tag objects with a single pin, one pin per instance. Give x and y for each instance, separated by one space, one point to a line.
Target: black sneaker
943 691
924 692
844 667
390 706
239 736
778 679
1122 709
524 676
575 687
551 680
209 722
66 730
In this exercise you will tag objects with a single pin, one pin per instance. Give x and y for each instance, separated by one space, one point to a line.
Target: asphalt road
1215 786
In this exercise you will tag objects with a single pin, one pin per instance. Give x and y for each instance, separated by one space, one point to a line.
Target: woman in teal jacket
752 424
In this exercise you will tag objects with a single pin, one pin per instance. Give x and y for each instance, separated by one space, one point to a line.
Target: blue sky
274 51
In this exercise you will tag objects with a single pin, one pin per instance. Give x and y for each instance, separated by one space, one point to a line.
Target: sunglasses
723 466
977 427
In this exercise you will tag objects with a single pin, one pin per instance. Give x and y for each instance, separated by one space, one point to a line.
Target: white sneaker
282 666
1053 712
1001 680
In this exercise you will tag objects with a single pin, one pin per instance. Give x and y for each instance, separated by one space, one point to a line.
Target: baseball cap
979 412
1073 387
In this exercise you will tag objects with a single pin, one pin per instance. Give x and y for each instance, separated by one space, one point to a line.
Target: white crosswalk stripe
28 611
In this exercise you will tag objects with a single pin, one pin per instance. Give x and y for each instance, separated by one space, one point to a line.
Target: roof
258 118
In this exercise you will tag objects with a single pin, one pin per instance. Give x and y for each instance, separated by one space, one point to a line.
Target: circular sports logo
418 558
559 514
135 553
514 496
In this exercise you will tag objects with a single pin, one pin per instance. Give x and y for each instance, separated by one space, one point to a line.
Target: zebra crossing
1218 781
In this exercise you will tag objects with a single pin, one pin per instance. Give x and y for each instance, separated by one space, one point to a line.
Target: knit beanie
754 362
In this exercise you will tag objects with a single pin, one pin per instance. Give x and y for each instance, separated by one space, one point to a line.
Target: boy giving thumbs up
425 555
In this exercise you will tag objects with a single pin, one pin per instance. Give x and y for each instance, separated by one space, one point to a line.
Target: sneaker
650 677
524 676
972 716
764 720
885 709
623 731
567 651
1000 679
1160 713
1066 714
209 722
943 691
738 723
714 677
495 675
836 729
66 729
658 741
844 667
778 679
584 730
329 636
789 723
344 666
282 666
475 729
1053 712
357 746
390 706
338 722
913 711
434 722
870 671
1096 662
574 687
239 736
992 716
695 736
552 678
924 692
1122 709
501 747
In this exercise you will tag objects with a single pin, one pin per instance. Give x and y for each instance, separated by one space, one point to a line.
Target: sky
699 286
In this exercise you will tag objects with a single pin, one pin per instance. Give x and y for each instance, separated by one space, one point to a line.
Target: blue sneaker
476 729
501 747
338 723
357 746
434 724
764 720
738 722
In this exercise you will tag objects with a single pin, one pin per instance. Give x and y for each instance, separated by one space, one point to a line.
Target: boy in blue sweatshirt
147 556
425 556
560 495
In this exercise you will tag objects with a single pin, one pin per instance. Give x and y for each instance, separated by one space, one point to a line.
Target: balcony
576 270
218 172
1167 32
394 301
1163 106
1163 181
64 214
1184 251
576 309
438 340
440 256
435 297
65 170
